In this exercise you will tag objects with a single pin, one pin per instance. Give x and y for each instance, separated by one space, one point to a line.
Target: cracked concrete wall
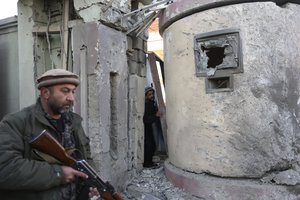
117 145
136 53
27 93
103 50
109 11
35 57
253 130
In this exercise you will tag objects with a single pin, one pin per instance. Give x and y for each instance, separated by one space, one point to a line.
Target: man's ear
45 92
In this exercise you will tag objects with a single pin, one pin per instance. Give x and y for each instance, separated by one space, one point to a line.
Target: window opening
218 50
218 55
219 84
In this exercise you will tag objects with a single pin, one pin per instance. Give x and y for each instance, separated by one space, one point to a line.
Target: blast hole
215 55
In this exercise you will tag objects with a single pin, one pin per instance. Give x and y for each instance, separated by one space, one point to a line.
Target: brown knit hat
57 76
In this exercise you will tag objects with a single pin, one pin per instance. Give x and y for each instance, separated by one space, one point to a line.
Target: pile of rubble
152 184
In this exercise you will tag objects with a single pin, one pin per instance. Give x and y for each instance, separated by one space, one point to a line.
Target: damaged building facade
92 39
232 90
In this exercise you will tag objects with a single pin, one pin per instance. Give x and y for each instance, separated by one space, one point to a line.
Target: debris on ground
152 184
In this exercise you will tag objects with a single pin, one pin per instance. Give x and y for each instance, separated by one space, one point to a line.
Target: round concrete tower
232 70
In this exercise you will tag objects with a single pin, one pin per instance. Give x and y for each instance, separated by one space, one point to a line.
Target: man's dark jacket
22 177
149 143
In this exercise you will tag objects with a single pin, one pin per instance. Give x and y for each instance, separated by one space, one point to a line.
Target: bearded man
25 176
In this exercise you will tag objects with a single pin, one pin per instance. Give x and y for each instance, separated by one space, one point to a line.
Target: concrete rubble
152 184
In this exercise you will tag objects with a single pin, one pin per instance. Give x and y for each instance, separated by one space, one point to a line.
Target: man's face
150 95
61 98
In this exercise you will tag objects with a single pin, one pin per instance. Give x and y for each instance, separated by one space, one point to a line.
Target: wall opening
219 84
218 55
215 56
220 50
113 115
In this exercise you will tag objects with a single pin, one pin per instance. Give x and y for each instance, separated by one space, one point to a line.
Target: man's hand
70 174
94 194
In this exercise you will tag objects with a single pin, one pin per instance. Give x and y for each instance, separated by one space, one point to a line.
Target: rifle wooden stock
108 196
47 144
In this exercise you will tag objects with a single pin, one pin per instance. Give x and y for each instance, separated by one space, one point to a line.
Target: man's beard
150 98
57 108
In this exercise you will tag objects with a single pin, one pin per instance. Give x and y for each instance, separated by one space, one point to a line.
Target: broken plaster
226 57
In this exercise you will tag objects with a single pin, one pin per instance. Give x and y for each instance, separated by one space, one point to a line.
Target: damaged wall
107 88
108 11
250 130
89 40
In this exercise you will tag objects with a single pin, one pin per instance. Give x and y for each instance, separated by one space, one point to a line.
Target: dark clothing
63 127
149 142
23 177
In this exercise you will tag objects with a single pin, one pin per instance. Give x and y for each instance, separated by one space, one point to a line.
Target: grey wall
9 67
253 129
100 60
250 130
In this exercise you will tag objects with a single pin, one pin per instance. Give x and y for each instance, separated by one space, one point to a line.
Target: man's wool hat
57 76
149 88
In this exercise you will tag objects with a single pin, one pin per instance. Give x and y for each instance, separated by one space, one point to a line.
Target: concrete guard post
232 71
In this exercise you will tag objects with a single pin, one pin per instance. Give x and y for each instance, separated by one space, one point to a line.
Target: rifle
47 144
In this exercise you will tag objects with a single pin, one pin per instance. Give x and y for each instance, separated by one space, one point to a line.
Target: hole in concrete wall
218 55
113 115
219 84
218 50
215 56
